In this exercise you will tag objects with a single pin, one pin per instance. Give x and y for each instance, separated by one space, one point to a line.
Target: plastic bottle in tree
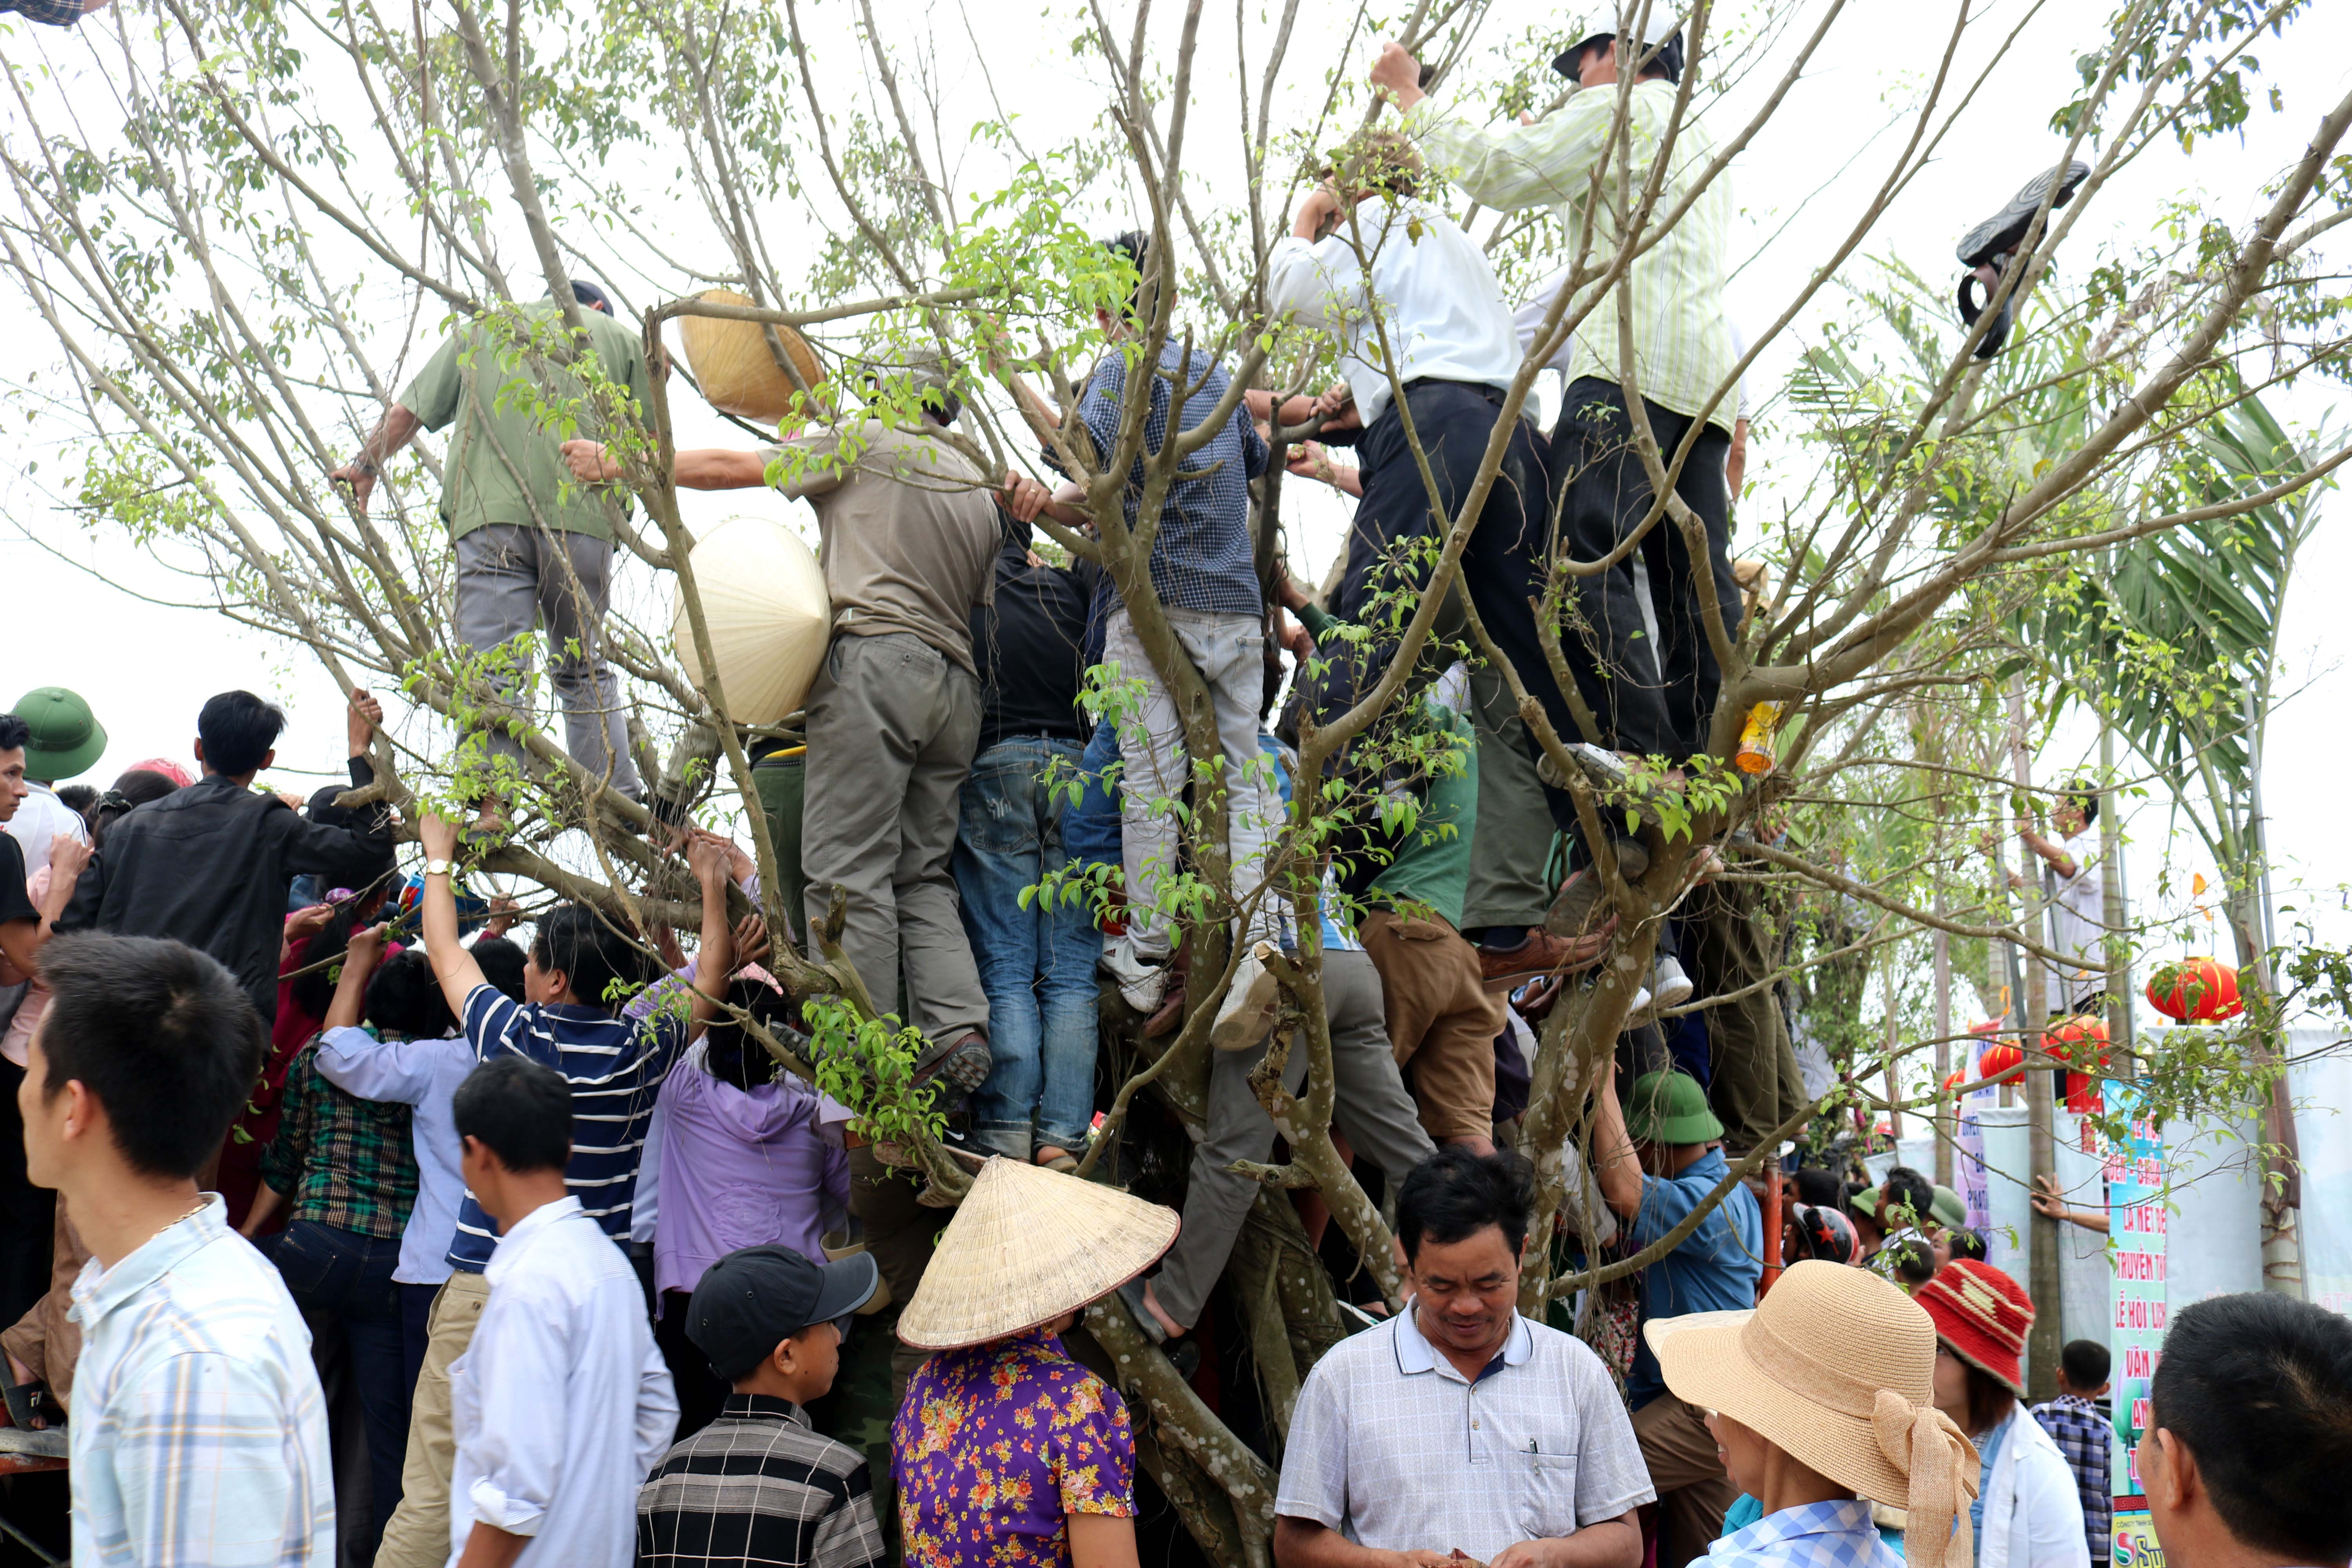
1755 754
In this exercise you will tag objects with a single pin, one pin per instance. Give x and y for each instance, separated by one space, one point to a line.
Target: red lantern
2078 1041
2000 1059
2196 991
1952 1084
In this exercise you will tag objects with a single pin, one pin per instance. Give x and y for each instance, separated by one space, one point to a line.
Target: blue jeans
1091 831
347 1277
1037 965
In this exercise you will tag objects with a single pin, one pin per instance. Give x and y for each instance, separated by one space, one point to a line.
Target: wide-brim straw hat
1027 1245
1837 1367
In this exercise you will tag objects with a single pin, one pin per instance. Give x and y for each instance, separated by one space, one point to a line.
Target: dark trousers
346 1277
1392 545
28 1214
700 1395
415 1329
1663 699
1730 943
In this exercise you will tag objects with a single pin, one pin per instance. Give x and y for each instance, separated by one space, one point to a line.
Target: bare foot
1152 1305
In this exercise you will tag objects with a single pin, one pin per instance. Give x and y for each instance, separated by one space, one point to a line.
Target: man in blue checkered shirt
56 13
2085 1435
1205 572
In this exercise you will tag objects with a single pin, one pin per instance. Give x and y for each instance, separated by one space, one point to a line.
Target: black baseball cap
753 1300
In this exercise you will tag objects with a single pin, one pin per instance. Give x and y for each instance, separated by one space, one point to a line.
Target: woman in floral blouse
1006 1452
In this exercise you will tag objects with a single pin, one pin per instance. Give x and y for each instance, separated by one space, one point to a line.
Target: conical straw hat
764 596
1837 1367
1027 1245
736 369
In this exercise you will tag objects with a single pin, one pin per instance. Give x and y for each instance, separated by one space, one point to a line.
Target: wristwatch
439 868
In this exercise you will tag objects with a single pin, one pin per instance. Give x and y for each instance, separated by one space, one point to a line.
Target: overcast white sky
83 611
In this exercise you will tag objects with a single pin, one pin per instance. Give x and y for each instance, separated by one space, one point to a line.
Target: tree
231 280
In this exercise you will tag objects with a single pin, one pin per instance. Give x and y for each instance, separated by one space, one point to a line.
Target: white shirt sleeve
656 1409
2050 1504
518 1354
1305 281
1314 1483
1738 353
1529 319
1611 1477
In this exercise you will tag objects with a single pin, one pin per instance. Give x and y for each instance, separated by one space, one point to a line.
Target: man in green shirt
1680 347
533 544
1441 1020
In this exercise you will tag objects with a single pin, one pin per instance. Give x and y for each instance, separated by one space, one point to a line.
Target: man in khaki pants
417 1536
1441 1020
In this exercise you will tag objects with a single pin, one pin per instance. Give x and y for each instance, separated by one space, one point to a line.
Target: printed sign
2136 1226
2136 1542
1967 1143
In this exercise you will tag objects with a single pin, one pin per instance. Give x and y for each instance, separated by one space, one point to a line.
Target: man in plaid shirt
56 13
1202 567
2085 1435
348 1168
199 1435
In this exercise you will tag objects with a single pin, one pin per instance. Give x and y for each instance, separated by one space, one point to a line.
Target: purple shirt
997 1445
741 1170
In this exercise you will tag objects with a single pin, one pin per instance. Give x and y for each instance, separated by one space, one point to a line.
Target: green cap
67 737
1864 1202
1948 1209
1670 1107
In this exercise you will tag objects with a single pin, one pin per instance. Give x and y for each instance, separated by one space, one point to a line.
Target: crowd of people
379 1235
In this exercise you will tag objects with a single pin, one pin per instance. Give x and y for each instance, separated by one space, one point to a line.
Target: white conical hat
763 596
1027 1245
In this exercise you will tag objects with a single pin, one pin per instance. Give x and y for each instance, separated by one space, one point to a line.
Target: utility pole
2044 1338
1946 1104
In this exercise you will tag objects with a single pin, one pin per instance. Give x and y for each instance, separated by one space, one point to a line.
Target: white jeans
1229 652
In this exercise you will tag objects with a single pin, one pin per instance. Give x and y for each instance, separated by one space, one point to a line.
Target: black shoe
1985 250
958 1068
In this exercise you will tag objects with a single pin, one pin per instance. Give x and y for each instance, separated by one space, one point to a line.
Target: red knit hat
1982 1314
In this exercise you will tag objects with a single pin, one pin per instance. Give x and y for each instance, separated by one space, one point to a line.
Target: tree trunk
2044 1340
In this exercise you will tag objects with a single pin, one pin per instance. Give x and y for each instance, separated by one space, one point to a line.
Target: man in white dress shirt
1415 308
561 1404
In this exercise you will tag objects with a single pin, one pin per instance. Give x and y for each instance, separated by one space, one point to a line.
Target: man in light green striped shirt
1682 353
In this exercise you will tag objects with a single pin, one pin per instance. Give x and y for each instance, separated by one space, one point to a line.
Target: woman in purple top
1006 1452
745 1162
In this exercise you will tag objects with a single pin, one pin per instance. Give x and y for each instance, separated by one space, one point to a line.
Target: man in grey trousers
1370 1103
533 544
910 534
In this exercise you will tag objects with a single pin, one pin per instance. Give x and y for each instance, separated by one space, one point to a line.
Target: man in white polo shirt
1460 1427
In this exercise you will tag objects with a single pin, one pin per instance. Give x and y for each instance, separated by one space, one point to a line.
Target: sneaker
1248 1009
1141 985
1603 769
1668 983
2001 233
1637 1010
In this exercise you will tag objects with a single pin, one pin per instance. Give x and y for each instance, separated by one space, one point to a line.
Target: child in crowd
757 1485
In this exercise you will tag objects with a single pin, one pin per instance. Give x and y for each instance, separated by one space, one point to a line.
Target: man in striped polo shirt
579 971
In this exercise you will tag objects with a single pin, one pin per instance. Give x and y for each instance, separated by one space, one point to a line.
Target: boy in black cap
759 1485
